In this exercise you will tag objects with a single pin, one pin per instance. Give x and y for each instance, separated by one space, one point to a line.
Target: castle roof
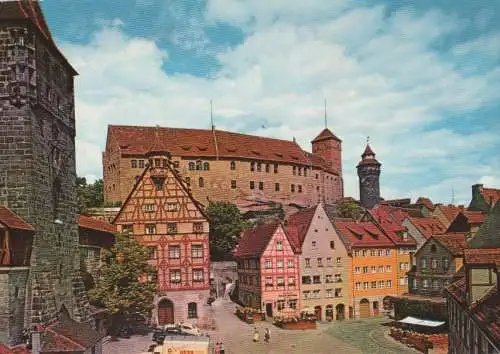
30 11
325 134
365 160
196 143
13 221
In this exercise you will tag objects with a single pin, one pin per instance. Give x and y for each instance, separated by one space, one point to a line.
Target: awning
419 322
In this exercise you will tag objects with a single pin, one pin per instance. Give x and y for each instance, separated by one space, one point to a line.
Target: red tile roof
428 226
397 214
455 242
254 241
298 224
486 312
482 256
491 195
325 135
450 212
87 222
135 140
425 202
12 221
475 217
361 234
391 228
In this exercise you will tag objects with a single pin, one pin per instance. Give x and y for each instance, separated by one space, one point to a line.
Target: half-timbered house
162 214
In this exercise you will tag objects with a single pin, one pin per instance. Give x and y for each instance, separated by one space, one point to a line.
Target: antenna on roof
452 195
326 120
211 115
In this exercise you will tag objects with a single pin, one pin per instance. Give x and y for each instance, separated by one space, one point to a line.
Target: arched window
233 165
252 166
192 310
200 182
206 166
191 166
198 165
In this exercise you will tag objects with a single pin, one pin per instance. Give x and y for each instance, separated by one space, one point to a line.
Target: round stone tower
369 174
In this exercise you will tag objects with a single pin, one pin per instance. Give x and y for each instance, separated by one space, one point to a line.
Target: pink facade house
268 270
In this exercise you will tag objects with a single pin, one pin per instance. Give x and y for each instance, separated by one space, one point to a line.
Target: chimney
476 190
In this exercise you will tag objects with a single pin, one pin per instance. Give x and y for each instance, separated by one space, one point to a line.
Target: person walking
256 335
222 350
267 335
217 348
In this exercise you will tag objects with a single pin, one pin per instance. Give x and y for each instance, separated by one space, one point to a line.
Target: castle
252 172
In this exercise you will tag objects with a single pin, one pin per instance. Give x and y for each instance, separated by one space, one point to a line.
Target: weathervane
367 140
326 121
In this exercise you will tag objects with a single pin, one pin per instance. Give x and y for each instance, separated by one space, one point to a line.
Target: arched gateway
364 308
165 312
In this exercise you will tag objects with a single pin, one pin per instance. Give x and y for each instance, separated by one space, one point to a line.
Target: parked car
190 329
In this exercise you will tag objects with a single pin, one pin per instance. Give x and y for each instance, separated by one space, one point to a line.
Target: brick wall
37 168
317 185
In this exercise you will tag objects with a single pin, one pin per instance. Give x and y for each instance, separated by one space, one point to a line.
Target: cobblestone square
363 336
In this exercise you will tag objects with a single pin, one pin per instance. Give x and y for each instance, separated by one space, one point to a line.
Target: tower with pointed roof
328 147
37 172
369 174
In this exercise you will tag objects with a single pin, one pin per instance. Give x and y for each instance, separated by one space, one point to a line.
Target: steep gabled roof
325 135
428 226
455 242
12 221
136 140
449 211
391 228
488 235
177 177
254 241
298 224
89 223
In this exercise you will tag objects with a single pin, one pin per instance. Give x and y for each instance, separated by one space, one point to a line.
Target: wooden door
364 308
317 312
165 312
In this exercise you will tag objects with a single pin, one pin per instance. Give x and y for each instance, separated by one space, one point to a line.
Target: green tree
127 283
226 225
350 209
89 195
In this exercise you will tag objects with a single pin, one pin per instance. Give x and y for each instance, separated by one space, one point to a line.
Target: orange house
373 266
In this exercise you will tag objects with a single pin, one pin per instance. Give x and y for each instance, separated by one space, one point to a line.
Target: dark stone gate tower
37 162
369 174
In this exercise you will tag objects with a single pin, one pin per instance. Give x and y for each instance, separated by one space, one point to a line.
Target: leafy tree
89 195
123 286
350 209
226 225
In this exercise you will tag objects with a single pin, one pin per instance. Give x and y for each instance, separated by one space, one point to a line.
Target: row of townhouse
338 268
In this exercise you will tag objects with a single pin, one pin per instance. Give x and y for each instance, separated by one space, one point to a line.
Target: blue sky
420 77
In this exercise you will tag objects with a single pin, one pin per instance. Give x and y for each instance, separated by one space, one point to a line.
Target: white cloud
378 74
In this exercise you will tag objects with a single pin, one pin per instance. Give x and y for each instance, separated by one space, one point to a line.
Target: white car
189 329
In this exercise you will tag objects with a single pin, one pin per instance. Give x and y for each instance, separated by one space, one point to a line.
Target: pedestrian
217 348
222 350
256 335
267 335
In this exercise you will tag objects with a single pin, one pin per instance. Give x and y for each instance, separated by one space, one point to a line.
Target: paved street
363 336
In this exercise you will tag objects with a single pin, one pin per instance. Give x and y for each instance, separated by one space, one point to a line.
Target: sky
421 78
